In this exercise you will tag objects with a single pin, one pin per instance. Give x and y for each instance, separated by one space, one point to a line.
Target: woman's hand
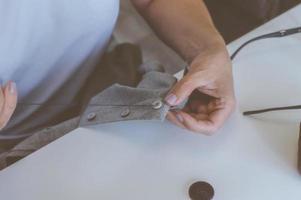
8 102
193 36
209 86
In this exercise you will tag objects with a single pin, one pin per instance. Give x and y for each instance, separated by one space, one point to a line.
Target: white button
157 104
91 116
125 113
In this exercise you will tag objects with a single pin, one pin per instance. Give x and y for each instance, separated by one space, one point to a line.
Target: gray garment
121 89
36 141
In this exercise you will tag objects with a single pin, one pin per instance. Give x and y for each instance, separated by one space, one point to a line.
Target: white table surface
250 158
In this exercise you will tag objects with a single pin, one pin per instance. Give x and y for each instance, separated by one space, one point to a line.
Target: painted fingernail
171 99
180 118
12 87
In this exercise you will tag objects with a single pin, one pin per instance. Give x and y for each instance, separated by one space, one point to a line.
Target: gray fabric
37 141
109 104
122 88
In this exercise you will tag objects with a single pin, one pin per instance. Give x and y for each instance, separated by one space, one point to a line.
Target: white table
250 158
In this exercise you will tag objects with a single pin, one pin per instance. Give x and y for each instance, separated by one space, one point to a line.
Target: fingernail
179 117
171 99
12 87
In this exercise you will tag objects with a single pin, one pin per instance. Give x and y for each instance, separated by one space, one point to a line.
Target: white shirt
44 43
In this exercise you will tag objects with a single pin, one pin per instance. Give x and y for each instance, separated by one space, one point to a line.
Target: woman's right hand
8 102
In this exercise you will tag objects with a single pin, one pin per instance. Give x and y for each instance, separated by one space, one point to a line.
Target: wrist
215 56
214 45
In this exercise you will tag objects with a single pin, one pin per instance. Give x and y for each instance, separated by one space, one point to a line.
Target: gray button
91 116
125 113
157 104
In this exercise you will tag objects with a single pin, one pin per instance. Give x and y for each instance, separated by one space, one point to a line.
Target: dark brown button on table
201 191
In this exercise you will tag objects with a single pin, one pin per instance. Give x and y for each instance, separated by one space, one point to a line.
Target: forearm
184 25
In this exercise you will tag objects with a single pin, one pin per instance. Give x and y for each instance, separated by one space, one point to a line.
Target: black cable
277 34
253 112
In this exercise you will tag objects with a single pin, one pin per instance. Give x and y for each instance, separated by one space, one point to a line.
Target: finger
195 125
215 120
218 117
216 104
183 89
187 108
174 118
210 92
10 102
199 116
196 106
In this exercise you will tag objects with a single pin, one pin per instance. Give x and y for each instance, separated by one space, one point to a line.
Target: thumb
182 90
